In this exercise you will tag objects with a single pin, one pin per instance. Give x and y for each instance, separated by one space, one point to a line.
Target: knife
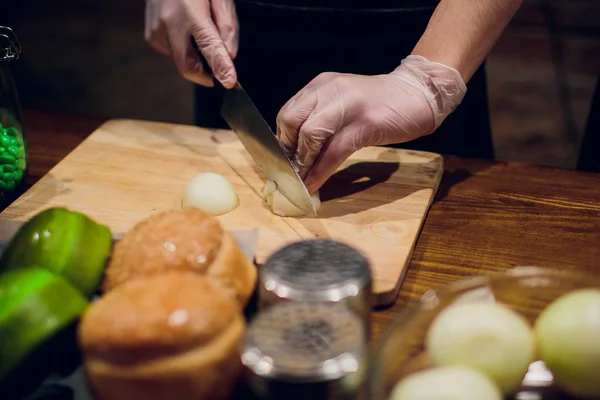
260 142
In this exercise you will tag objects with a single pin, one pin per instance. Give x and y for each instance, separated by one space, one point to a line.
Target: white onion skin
448 383
210 192
486 336
568 337
279 205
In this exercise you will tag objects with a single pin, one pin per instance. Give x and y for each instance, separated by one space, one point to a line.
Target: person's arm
461 33
338 114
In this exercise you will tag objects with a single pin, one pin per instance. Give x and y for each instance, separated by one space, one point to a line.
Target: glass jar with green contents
13 152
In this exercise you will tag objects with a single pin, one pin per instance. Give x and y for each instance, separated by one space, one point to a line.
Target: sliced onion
280 205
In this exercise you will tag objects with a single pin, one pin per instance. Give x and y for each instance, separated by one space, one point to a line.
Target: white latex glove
337 114
170 24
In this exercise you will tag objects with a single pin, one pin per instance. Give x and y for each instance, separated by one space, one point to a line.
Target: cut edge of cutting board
388 298
387 295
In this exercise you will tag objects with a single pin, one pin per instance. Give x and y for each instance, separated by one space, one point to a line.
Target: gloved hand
170 24
337 114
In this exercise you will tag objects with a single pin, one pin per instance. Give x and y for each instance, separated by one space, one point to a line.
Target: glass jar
13 149
527 290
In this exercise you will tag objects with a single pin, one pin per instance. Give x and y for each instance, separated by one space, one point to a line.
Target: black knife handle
218 86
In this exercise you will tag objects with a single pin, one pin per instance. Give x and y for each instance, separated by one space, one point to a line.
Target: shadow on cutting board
366 185
357 178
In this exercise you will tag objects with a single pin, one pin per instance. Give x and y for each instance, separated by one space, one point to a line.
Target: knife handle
206 66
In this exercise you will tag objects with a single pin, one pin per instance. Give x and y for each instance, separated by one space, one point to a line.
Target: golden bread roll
182 239
175 335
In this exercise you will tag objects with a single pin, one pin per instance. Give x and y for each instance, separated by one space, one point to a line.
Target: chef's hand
338 114
170 24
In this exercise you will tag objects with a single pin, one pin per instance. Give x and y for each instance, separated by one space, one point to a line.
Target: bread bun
175 335
182 239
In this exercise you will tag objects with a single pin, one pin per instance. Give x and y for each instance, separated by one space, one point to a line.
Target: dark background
90 57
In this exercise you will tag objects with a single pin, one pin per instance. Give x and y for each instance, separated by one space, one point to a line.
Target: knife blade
246 121
256 135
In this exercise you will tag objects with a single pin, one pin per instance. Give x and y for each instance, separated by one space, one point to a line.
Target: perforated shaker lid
304 342
318 265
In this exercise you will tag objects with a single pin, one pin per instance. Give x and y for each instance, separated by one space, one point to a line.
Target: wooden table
487 216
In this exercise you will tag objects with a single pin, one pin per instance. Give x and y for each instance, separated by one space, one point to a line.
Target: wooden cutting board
128 169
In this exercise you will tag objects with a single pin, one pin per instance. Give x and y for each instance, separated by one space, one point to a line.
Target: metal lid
316 269
304 342
10 48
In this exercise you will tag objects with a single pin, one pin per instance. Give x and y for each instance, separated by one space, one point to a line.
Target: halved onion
489 337
210 192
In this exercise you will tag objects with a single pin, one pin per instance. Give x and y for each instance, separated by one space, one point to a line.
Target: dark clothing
345 4
588 153
282 49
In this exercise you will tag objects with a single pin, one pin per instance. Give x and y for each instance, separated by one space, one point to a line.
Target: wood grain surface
486 217
127 170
